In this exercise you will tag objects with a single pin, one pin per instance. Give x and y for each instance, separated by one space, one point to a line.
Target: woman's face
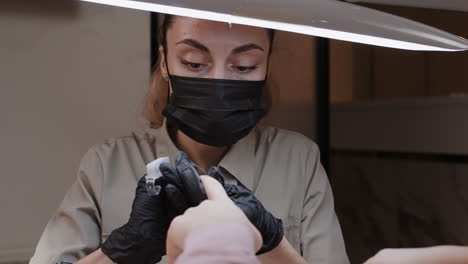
208 49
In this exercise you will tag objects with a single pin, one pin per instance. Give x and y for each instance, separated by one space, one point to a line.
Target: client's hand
430 255
184 190
217 209
269 226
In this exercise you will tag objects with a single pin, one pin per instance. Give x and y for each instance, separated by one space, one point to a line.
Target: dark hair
168 20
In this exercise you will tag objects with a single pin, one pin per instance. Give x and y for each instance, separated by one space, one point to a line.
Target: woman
215 74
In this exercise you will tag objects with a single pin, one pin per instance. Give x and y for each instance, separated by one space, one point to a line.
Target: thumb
214 190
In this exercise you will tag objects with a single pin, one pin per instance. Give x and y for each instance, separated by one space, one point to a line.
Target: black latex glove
143 238
269 226
184 188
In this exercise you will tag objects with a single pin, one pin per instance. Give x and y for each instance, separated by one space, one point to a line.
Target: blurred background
73 74
399 145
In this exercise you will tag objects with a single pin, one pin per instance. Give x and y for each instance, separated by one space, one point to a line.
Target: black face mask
215 112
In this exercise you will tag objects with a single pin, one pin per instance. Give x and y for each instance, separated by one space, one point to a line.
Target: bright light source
327 18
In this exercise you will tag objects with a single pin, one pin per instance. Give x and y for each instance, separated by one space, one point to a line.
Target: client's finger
214 190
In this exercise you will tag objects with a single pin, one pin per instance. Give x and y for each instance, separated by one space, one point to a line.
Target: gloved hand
143 238
184 188
270 227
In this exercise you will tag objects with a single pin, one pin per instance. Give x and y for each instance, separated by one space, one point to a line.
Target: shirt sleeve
321 238
218 244
74 230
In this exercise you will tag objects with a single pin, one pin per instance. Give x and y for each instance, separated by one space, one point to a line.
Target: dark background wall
399 164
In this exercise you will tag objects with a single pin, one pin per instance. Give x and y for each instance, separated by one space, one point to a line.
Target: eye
245 69
193 66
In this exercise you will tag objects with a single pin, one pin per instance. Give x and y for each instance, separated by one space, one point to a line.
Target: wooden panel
448 72
451 21
398 73
432 125
363 72
365 199
291 82
341 71
392 203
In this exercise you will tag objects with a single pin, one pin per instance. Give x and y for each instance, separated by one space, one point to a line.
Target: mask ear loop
267 67
169 123
168 75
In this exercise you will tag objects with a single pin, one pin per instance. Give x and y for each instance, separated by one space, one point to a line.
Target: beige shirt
281 167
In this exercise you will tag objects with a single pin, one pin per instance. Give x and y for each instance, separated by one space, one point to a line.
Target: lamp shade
455 5
322 18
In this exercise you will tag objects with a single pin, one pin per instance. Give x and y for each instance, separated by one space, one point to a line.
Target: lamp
455 5
322 18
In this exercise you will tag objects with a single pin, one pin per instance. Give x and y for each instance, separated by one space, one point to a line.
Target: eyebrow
201 47
246 47
195 44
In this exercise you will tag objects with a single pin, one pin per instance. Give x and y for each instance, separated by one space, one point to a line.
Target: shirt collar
165 147
239 160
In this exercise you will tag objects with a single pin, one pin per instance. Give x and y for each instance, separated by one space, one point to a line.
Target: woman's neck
202 155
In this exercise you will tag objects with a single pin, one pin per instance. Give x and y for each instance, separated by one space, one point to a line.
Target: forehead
216 32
